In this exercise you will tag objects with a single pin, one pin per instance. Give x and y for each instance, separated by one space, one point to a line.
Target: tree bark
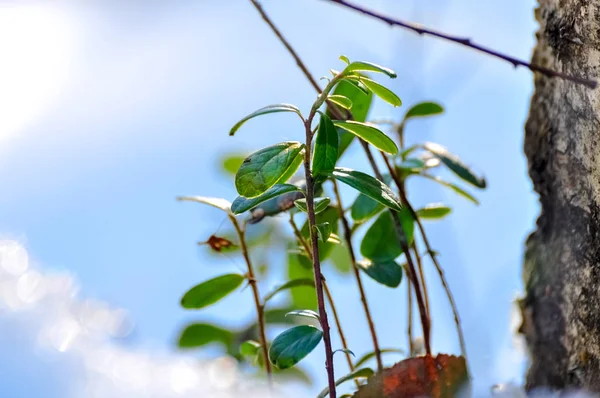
561 272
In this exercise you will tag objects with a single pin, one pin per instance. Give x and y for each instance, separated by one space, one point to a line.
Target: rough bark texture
561 309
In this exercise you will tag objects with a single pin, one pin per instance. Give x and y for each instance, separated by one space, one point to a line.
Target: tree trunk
561 308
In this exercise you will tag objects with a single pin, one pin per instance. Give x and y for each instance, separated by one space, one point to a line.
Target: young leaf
382 92
369 186
344 59
200 334
368 67
453 187
323 231
291 346
340 100
345 350
331 216
211 291
424 109
242 204
357 374
219 203
326 147
249 348
387 272
266 167
371 134
434 211
304 313
364 207
454 163
264 111
289 285
372 354
320 204
361 101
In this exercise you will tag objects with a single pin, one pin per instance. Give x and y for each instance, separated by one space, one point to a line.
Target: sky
109 110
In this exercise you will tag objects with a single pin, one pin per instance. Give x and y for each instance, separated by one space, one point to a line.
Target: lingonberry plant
266 187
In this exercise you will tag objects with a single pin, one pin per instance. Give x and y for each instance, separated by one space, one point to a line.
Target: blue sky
111 110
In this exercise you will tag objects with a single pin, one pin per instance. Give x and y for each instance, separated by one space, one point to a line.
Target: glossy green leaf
266 110
372 354
424 109
357 374
219 203
369 186
382 92
454 163
434 211
453 187
200 334
249 348
412 164
323 231
381 242
364 207
266 167
371 134
293 169
340 100
359 66
211 291
325 154
289 285
344 59
320 204
386 272
293 345
242 204
276 205
304 313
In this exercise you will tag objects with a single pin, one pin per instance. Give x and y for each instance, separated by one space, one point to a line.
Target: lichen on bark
561 271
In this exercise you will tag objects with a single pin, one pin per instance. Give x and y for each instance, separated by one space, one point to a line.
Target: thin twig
411 347
438 267
259 307
363 296
338 324
422 277
421 30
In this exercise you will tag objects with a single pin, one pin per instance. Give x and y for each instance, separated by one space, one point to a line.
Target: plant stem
438 267
422 277
310 205
419 29
411 347
338 324
363 296
259 307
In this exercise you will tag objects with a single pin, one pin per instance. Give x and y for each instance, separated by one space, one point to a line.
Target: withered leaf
217 243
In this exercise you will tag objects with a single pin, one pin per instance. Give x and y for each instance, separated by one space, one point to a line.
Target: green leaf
289 285
453 187
434 211
340 100
345 351
454 163
359 66
326 147
364 207
357 374
266 167
304 313
232 162
249 348
219 203
344 59
320 204
276 205
323 231
372 354
211 291
340 258
382 92
242 204
369 186
424 109
331 216
299 267
371 134
388 272
201 334
412 164
266 110
291 346
381 242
